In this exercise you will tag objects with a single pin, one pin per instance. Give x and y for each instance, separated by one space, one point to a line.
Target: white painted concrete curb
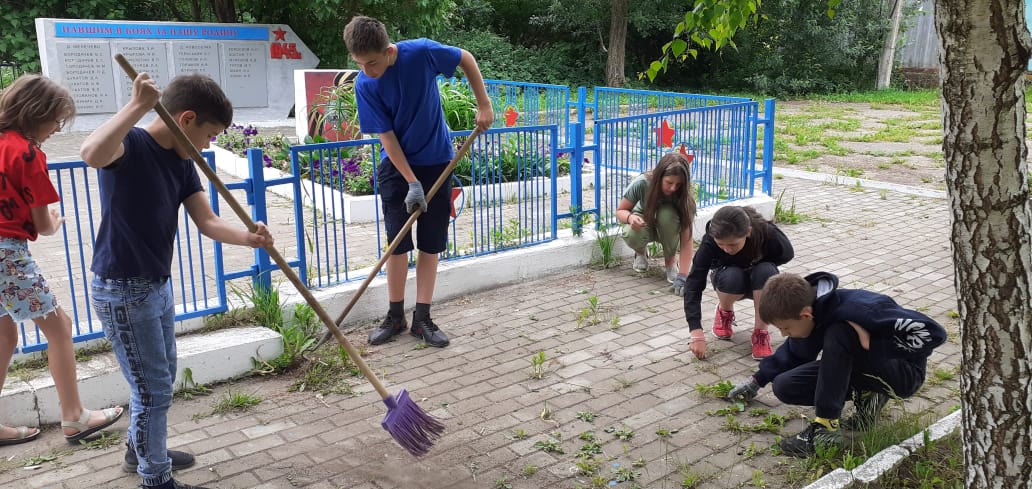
867 184
210 357
888 458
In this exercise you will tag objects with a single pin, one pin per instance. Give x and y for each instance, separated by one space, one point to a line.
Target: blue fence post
576 167
261 277
768 146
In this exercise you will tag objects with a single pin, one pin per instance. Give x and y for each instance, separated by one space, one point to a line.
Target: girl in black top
743 250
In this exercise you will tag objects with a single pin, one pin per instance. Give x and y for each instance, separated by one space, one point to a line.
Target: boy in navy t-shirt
144 178
870 347
398 99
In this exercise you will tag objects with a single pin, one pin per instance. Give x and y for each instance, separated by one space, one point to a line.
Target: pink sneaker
722 324
761 344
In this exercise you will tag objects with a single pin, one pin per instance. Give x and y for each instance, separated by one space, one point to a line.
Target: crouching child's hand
745 392
261 237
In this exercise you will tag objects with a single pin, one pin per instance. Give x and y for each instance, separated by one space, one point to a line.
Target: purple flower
268 161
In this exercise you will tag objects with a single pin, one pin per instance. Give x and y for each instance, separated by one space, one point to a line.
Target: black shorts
432 225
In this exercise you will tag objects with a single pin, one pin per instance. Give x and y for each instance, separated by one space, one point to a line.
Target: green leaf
678 46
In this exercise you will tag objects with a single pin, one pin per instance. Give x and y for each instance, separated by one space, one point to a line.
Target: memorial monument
254 63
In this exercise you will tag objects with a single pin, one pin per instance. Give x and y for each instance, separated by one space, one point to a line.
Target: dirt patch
892 145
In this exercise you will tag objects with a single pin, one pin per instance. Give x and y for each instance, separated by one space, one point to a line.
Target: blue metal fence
503 196
516 187
197 275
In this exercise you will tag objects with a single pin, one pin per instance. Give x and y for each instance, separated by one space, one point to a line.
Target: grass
937 465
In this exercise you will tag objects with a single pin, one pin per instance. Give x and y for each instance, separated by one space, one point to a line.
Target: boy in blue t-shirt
398 99
144 178
869 346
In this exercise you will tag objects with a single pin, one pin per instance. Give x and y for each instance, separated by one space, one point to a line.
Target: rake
410 426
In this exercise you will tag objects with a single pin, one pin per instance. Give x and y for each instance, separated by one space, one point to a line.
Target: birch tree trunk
984 49
617 44
888 55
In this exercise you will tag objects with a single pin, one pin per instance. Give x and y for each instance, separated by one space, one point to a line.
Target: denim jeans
138 319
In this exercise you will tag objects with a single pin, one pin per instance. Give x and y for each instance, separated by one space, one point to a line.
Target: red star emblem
456 192
687 156
665 135
510 116
281 35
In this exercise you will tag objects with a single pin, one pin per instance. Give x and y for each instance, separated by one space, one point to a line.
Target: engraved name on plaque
196 57
86 72
244 74
145 56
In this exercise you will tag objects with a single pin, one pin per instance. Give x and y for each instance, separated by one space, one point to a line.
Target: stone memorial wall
254 63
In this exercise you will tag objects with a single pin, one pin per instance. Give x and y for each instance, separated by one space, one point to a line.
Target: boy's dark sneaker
180 460
426 330
805 443
173 484
867 406
387 330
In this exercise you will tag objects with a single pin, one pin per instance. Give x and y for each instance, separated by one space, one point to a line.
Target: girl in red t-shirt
32 109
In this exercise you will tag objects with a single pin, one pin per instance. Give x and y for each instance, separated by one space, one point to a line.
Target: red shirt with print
24 184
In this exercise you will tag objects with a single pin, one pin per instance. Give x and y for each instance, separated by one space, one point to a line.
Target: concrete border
843 180
888 458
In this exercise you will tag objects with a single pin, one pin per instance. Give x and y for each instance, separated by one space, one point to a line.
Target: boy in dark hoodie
872 348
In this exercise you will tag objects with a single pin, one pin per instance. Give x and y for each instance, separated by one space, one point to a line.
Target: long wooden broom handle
445 175
185 144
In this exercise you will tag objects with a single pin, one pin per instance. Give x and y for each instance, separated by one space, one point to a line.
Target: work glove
678 286
415 198
745 391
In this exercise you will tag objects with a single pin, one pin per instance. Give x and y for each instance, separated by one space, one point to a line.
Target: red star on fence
510 116
456 192
665 135
687 156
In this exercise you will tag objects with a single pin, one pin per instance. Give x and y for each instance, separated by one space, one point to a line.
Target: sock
422 311
830 424
169 484
397 310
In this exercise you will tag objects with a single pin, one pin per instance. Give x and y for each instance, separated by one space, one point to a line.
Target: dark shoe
867 406
180 460
805 443
387 330
173 484
426 330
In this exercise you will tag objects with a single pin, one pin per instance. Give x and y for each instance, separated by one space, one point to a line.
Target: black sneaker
173 484
426 330
867 406
805 443
387 330
180 460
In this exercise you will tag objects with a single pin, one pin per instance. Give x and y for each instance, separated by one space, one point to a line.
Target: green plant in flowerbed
509 161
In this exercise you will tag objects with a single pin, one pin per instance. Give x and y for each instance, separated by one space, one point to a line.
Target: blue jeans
139 320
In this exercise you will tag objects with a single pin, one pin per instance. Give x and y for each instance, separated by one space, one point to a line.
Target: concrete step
211 357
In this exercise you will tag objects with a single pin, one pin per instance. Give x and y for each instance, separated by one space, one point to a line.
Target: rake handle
445 175
185 143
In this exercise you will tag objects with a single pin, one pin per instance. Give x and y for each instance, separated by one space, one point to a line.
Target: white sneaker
671 273
641 263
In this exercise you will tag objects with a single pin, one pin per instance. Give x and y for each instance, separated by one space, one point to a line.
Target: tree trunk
225 10
888 53
617 43
984 50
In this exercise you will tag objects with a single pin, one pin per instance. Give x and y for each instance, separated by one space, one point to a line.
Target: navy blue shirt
896 332
406 100
140 196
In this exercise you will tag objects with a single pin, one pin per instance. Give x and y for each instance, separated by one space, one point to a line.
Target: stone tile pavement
633 370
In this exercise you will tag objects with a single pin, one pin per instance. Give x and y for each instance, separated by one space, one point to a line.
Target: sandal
22 436
110 416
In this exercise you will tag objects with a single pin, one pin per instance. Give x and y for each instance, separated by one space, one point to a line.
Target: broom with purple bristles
410 426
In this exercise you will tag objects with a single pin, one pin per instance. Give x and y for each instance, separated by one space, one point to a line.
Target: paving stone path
633 370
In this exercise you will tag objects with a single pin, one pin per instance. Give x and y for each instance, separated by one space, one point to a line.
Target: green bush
460 106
